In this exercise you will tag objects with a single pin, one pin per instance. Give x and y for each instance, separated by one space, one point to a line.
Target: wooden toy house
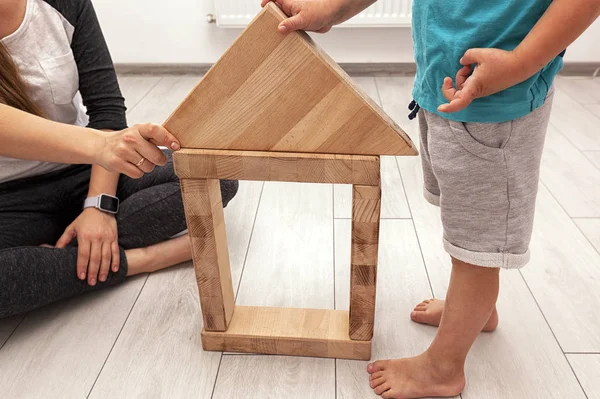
277 108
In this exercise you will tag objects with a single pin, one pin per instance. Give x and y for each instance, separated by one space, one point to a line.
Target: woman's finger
105 262
116 256
66 238
150 152
140 162
128 169
159 134
83 258
94 264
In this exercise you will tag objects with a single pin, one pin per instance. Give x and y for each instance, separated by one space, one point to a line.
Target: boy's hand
496 70
311 15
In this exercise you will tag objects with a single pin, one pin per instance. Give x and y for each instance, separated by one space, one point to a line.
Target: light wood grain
290 167
239 221
570 176
206 225
587 369
288 331
275 377
591 229
586 91
162 99
159 352
366 209
273 92
290 259
58 351
594 109
563 276
135 88
593 156
428 225
575 122
521 359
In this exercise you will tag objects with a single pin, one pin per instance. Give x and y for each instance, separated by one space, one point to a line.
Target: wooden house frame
277 108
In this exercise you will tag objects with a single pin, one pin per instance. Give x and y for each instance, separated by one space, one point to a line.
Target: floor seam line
415 229
13 331
144 96
552 331
118 336
249 242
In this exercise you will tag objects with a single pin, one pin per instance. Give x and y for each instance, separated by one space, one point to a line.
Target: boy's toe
376 366
377 382
381 388
417 316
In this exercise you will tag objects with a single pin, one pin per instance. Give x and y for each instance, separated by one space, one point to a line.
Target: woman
69 229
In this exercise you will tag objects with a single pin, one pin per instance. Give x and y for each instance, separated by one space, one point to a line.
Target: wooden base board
288 331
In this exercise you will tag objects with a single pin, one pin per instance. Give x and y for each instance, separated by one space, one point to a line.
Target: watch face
109 203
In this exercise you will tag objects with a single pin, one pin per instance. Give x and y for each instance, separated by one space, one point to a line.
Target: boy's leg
440 370
521 143
487 176
430 312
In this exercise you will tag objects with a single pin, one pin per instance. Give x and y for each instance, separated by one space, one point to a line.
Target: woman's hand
134 151
96 233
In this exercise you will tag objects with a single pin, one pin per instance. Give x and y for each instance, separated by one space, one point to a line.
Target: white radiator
384 13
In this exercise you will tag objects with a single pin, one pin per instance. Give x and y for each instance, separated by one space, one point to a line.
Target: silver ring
141 162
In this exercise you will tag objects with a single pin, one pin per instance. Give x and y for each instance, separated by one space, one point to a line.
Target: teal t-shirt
444 29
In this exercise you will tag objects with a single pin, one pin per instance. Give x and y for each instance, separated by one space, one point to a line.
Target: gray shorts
484 177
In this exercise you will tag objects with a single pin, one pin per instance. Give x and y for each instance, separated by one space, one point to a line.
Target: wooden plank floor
289 246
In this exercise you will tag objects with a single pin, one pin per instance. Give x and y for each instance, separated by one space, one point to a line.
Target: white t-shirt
49 58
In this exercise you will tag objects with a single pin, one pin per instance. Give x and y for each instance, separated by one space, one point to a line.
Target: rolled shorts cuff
430 197
504 260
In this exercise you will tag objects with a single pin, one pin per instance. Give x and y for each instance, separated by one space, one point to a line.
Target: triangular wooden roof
274 92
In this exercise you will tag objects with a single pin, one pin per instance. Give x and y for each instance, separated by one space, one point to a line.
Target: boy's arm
317 15
562 23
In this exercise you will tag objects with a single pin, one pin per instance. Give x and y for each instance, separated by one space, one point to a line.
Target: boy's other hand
495 70
311 15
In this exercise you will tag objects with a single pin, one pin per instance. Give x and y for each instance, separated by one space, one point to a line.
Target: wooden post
301 332
366 207
206 225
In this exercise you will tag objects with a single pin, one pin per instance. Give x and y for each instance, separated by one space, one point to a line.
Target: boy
481 144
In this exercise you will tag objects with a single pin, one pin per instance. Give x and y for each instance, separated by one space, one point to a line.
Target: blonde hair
13 91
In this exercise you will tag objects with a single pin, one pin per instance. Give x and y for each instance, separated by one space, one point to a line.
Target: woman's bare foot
430 312
159 256
415 377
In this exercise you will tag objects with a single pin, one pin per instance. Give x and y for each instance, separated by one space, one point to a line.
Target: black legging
37 210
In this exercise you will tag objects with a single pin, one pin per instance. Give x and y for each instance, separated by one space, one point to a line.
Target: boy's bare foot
430 312
415 377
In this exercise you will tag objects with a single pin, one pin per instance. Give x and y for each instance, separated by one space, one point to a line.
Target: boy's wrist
343 10
527 64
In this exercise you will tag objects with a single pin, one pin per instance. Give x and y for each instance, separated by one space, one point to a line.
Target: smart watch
104 202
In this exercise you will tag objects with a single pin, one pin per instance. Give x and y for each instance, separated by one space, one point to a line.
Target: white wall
175 31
